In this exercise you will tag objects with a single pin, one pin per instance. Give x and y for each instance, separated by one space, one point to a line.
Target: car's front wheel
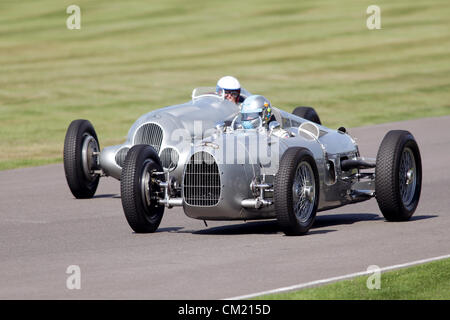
139 188
296 191
81 149
398 175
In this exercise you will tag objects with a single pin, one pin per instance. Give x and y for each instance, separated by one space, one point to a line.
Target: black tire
285 196
82 184
397 189
143 216
307 113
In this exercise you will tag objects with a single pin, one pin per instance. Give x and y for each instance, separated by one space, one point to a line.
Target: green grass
131 57
423 282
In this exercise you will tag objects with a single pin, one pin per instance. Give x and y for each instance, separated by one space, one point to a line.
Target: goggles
233 93
250 116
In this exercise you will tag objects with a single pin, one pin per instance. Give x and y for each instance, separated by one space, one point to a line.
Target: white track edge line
333 279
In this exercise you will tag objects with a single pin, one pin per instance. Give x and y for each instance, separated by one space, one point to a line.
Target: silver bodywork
171 131
240 198
185 135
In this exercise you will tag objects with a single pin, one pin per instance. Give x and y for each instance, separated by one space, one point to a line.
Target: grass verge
422 282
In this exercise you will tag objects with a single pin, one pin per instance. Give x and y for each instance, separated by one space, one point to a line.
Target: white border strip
324 281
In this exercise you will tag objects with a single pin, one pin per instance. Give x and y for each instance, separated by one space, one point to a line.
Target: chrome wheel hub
407 177
308 192
89 151
145 184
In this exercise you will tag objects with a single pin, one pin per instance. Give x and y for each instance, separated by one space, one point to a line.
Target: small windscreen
207 91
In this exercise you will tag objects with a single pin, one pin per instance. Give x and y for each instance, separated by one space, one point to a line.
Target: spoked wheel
398 175
407 177
303 190
140 190
296 191
81 150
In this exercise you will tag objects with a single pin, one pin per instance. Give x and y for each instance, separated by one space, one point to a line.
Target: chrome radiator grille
201 185
149 133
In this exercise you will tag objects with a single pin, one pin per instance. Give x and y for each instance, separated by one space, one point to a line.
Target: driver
231 87
256 112
252 111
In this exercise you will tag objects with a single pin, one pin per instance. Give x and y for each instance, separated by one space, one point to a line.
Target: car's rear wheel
81 149
139 189
296 191
398 175
307 113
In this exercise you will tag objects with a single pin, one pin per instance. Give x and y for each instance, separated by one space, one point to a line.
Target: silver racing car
197 156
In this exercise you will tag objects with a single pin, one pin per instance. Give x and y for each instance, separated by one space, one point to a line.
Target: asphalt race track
43 230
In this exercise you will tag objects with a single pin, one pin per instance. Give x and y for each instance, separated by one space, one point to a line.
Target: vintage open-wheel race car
197 156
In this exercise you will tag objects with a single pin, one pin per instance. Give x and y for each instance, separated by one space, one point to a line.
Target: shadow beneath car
350 218
423 217
271 226
166 229
254 227
169 229
313 232
341 219
106 195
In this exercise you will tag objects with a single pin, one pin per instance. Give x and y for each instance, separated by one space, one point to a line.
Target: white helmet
230 86
229 83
